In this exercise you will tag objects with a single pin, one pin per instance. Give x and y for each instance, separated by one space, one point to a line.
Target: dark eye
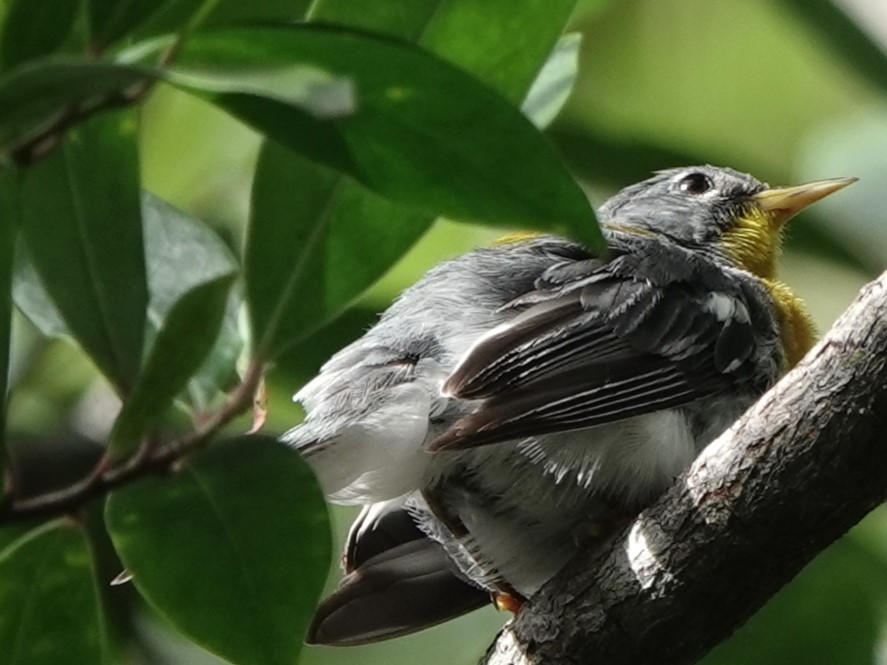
695 183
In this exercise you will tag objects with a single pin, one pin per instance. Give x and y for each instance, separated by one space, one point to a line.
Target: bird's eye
695 183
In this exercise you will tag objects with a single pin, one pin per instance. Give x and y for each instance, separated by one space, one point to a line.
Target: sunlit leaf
232 548
501 42
49 606
303 265
188 333
555 81
423 133
82 223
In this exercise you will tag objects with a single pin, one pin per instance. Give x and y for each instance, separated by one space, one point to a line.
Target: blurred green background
755 85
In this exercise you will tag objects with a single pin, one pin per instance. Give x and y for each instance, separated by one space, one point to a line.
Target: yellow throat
754 244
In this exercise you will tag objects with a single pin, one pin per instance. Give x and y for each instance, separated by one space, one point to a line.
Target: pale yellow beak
783 203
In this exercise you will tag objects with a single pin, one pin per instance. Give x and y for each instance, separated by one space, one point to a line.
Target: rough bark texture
800 468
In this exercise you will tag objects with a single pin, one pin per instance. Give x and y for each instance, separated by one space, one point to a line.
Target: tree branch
800 468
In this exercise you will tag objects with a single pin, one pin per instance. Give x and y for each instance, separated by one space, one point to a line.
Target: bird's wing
399 581
601 342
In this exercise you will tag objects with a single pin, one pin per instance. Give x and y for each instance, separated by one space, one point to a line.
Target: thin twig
74 496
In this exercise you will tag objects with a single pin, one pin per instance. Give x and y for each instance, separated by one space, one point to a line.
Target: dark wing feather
393 588
605 344
371 534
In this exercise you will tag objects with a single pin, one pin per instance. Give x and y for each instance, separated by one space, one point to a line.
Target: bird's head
723 212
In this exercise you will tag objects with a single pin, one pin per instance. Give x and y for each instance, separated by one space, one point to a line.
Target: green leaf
315 242
31 29
844 37
9 213
554 83
501 42
423 134
181 253
81 221
305 87
49 605
176 13
189 332
233 548
32 299
291 296
109 20
32 95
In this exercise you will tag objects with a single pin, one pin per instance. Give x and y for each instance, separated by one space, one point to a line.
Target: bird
520 401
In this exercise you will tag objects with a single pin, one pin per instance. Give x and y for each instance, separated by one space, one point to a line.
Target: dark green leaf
501 42
424 134
555 81
405 19
182 252
82 224
316 241
176 13
32 28
111 19
295 280
233 548
9 213
49 607
33 95
844 37
189 332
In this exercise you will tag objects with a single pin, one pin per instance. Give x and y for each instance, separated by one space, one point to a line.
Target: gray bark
798 470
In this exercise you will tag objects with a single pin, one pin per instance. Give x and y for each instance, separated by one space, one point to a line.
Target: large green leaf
303 264
501 42
315 241
81 220
189 332
181 253
423 133
49 606
232 548
31 28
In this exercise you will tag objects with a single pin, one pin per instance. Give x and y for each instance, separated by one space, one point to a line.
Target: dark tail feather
401 590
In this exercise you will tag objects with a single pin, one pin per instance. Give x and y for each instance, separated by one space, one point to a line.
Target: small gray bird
520 400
